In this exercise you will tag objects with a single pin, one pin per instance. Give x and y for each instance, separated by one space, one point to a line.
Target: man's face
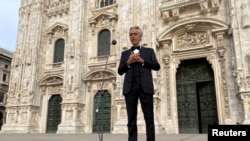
135 37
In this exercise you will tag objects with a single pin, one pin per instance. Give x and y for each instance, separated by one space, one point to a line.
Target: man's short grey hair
136 27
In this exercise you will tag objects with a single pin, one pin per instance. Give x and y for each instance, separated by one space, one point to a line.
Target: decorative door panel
207 105
102 116
1 119
196 97
187 108
54 114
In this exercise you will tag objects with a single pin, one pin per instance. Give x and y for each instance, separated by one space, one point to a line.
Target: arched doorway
54 113
102 112
196 97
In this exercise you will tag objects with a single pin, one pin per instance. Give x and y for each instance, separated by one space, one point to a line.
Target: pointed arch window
59 50
104 3
104 42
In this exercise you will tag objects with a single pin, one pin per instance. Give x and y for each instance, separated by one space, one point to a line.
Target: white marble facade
176 29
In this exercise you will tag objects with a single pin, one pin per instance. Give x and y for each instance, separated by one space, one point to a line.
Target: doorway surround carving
192 39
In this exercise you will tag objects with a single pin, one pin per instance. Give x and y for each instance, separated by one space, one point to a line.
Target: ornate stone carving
156 82
53 85
23 118
103 20
245 17
220 39
246 105
166 59
171 10
222 61
234 23
54 80
191 39
239 79
99 75
204 6
104 17
11 114
58 30
55 89
166 53
57 8
190 27
69 115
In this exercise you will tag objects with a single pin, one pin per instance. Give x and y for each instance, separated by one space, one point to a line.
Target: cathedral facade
64 70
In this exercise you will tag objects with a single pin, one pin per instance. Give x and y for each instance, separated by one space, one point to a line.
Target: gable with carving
186 35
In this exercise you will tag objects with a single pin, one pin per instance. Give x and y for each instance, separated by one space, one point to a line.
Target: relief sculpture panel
191 39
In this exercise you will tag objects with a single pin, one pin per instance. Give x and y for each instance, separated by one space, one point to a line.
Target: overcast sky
9 23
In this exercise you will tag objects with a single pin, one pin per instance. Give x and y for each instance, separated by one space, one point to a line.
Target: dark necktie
133 48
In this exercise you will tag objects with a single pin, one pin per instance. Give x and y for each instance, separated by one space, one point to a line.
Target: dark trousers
146 100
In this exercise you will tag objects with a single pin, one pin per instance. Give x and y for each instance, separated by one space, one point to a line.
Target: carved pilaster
222 61
120 119
166 60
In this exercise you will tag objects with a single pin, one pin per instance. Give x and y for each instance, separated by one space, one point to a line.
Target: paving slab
97 137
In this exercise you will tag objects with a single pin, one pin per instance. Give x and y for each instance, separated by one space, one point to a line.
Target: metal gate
54 113
102 110
196 97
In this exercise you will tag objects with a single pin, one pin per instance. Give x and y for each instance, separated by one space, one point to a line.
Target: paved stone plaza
95 137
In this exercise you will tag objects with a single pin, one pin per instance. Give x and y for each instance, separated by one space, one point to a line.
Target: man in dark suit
137 63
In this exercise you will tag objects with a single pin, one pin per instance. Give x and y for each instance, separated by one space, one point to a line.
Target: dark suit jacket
150 63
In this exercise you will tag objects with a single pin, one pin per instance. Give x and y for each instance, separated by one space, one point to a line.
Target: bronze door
206 105
102 110
1 119
196 97
54 113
